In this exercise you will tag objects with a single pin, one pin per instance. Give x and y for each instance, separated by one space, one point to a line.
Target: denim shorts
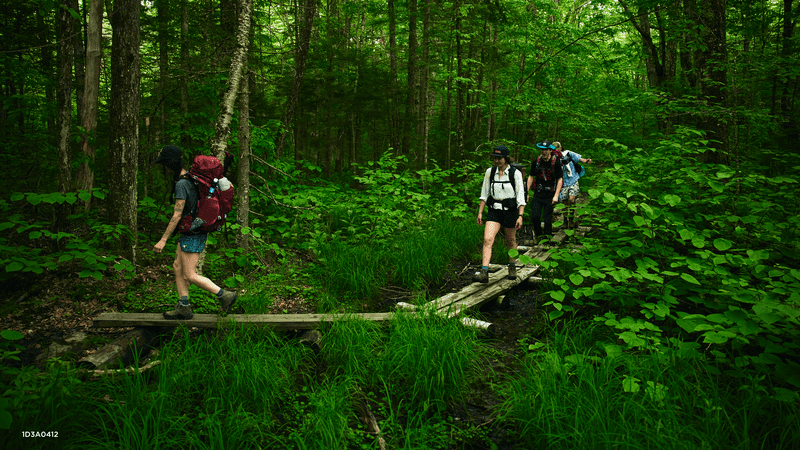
192 243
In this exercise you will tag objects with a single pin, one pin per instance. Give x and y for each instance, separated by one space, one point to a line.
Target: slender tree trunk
64 106
412 97
124 120
394 118
303 26
790 122
714 66
243 178
184 81
222 126
91 91
47 67
79 57
163 68
422 128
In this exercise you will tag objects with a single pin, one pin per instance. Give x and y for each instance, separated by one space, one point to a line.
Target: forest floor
48 308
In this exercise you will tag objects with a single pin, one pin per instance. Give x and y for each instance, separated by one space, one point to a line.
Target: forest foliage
368 124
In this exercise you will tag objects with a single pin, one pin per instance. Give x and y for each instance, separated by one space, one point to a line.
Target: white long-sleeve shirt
502 188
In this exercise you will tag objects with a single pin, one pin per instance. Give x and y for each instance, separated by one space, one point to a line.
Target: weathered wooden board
280 321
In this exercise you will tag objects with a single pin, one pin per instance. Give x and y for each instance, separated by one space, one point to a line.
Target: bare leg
511 241
186 273
489 232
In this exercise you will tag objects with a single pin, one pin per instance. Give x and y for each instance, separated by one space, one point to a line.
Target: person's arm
177 212
586 161
480 212
558 189
529 183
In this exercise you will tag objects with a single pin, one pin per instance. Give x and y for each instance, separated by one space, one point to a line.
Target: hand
555 199
159 247
518 225
480 219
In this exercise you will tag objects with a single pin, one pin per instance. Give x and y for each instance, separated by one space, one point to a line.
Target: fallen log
121 351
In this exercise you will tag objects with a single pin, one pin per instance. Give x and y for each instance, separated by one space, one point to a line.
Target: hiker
545 178
571 189
190 246
503 192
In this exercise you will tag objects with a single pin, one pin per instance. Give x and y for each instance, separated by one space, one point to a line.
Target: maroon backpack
213 204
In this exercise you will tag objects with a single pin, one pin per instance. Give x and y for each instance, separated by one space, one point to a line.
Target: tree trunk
243 176
91 91
422 129
124 120
303 27
222 126
412 97
714 67
184 81
394 117
79 57
791 130
64 106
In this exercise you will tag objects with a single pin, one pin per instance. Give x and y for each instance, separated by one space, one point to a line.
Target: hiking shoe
227 299
481 276
512 272
180 312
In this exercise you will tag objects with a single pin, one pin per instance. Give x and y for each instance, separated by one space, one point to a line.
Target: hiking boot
227 299
481 276
512 272
181 312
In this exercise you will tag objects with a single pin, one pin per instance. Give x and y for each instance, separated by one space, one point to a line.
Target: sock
184 300
486 268
219 294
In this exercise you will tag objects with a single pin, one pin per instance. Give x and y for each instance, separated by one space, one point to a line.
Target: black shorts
506 219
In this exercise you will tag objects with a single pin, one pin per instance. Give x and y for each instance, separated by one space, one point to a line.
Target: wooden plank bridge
453 304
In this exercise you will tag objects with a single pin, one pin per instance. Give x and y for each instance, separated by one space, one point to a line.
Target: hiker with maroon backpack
545 178
199 208
503 195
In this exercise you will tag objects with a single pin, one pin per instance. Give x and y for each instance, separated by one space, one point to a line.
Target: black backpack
507 203
566 161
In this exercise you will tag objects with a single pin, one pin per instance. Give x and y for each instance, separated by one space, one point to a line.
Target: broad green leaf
722 244
11 335
736 315
608 197
690 278
14 267
639 220
630 384
769 317
85 196
576 279
594 193
64 258
557 295
672 200
688 325
553 315
698 241
513 253
717 186
712 337
17 197
34 235
686 233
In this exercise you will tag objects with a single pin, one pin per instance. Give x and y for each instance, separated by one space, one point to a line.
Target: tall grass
427 357
574 395
410 260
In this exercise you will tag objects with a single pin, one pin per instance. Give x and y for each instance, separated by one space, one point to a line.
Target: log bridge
450 305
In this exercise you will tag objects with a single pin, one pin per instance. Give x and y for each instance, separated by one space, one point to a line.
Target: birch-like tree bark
91 91
124 120
64 105
243 175
222 127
